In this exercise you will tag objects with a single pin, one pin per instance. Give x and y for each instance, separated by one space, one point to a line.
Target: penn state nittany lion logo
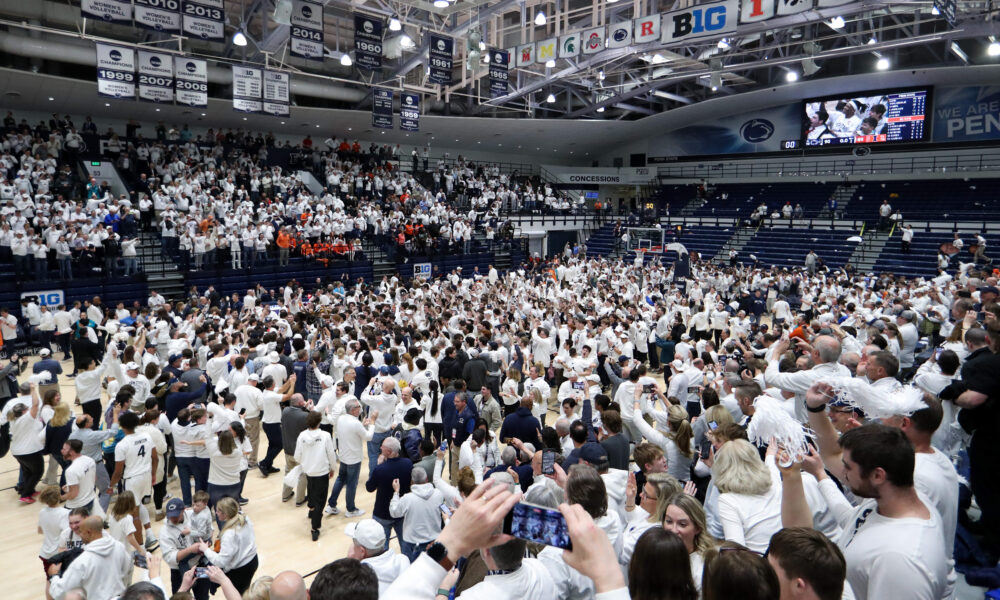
756 131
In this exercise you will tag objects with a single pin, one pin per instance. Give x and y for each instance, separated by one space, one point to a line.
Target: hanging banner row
162 77
382 111
203 19
260 91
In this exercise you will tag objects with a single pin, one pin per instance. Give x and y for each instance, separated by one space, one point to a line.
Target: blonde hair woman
685 516
511 390
677 443
235 552
57 431
659 488
749 507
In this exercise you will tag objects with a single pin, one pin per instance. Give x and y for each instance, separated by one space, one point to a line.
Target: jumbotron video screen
897 116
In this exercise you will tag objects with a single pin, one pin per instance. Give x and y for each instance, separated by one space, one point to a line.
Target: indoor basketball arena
499 299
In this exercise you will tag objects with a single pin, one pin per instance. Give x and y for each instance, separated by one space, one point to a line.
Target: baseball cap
677 364
174 357
989 289
594 454
622 359
44 352
254 377
273 357
131 367
367 533
175 507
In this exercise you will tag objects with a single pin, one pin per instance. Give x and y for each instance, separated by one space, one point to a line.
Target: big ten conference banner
276 93
382 108
116 72
441 57
966 114
706 20
409 112
156 77
159 15
499 75
247 90
110 11
368 42
191 82
307 29
757 131
204 19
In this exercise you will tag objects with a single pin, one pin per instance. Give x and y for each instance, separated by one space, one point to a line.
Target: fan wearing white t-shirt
892 541
135 459
81 478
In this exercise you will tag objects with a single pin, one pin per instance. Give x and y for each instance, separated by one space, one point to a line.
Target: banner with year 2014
116 71
276 94
156 76
191 82
306 33
204 19
110 11
159 15
247 90
409 112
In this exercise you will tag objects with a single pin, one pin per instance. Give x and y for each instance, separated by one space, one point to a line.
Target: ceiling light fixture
809 66
550 63
345 60
836 23
551 99
791 77
239 39
882 64
394 24
935 11
601 109
441 4
51 99
723 44
600 74
957 51
540 18
993 49
406 41
872 40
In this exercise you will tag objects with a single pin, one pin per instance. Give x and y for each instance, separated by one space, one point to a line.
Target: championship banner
156 77
116 72
204 19
247 90
109 11
368 42
713 19
791 7
409 112
621 35
382 108
159 15
441 55
569 45
306 37
191 82
499 75
276 94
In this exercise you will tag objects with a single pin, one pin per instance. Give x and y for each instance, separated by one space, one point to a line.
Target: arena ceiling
626 83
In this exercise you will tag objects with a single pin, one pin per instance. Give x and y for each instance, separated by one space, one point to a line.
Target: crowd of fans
461 397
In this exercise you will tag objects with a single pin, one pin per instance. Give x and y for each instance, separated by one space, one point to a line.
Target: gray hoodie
421 512
100 570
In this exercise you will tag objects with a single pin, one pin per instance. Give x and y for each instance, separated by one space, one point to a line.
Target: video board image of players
846 118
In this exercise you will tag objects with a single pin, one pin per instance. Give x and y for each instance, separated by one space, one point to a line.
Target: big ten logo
700 20
50 298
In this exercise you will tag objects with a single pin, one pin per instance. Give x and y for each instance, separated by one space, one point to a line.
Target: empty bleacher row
740 199
783 247
928 199
922 259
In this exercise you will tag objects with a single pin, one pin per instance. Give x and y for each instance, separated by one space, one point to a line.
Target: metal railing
840 167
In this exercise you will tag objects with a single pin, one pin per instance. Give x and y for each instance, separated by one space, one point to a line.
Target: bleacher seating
784 247
273 276
921 261
742 198
928 199
705 240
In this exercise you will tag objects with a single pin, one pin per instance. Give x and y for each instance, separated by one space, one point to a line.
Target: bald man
100 570
288 585
824 353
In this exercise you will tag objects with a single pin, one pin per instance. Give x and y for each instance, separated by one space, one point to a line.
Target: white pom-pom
875 402
42 377
771 423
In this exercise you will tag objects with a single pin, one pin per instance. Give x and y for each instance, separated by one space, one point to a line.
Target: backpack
4 439
409 442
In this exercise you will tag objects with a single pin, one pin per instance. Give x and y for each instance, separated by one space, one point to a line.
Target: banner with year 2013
204 19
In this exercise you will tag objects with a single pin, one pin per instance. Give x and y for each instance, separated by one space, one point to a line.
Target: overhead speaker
283 12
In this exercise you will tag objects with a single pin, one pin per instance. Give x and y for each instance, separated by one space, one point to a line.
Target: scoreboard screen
896 116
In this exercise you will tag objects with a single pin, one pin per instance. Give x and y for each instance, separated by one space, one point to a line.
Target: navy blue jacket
523 426
465 423
175 401
380 482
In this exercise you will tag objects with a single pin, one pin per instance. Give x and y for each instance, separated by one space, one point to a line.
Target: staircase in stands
868 251
737 242
843 194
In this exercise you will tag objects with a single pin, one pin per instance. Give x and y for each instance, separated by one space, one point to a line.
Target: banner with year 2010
159 15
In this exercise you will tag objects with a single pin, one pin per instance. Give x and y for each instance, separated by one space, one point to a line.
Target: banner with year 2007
156 77
116 71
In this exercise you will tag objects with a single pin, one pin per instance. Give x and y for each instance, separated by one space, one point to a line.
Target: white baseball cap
273 357
131 367
44 352
367 533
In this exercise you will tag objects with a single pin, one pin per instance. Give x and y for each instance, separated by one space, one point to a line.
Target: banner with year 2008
116 71
191 82
159 15
156 77
204 19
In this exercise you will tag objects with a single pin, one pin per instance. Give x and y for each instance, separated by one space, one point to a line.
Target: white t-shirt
52 521
121 528
82 472
894 558
934 476
271 405
136 450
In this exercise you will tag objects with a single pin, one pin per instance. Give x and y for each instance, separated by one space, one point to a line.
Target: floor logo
756 131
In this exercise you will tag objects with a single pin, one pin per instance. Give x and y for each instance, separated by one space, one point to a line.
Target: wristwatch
439 554
814 409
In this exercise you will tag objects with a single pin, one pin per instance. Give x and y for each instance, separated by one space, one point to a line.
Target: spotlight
601 109
540 18
935 11
406 41
723 44
394 24
882 64
551 99
239 39
345 60
836 22
872 40
993 49
600 74
791 77
550 63
441 4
